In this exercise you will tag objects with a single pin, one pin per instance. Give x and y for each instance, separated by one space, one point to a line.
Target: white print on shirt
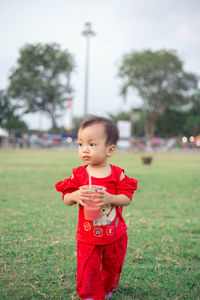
108 214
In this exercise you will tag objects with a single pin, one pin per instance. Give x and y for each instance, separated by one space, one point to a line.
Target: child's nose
85 149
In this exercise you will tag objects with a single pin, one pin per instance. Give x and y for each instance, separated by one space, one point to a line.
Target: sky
121 26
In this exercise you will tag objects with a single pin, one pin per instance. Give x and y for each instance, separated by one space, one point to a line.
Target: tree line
170 96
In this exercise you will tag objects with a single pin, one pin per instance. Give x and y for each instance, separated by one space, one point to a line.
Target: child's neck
99 171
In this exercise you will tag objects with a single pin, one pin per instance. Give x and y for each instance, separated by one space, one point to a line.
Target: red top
111 225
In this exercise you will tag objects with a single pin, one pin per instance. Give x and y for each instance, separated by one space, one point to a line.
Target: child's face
92 145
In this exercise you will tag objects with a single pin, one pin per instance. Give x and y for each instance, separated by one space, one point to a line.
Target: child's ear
111 150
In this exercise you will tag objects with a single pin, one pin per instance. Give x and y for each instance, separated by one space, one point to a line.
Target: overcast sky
120 25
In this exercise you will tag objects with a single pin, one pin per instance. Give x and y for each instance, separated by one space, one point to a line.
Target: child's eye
92 144
80 144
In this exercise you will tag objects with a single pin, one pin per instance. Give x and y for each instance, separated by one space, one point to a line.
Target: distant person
102 243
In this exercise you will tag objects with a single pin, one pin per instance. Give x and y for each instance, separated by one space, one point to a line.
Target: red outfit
101 244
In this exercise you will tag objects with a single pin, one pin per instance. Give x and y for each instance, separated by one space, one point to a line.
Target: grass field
38 248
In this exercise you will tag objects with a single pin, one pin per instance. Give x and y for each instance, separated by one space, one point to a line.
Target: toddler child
101 244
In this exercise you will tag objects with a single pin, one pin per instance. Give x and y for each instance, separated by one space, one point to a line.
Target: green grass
38 248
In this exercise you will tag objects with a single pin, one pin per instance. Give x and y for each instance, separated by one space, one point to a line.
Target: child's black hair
111 129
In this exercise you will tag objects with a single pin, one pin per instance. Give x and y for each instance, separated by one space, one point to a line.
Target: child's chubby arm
104 198
78 196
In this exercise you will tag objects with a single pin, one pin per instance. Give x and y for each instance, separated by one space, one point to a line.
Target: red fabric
68 185
101 244
112 225
99 267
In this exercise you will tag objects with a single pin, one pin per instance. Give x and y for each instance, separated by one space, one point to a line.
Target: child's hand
81 195
103 198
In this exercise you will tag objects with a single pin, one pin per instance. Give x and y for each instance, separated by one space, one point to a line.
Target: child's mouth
86 157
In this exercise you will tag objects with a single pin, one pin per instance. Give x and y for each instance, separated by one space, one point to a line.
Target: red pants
99 267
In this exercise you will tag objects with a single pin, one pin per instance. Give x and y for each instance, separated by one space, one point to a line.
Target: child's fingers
82 203
100 202
99 195
85 196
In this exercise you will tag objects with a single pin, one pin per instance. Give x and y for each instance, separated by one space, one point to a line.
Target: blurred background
136 62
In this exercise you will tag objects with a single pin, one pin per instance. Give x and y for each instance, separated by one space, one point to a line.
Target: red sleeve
68 185
127 186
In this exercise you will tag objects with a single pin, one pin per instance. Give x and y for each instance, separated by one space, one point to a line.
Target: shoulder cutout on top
122 176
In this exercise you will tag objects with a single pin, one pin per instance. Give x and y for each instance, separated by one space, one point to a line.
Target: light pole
87 32
69 98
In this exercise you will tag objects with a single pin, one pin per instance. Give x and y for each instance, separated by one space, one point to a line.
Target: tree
181 120
41 79
172 123
8 119
160 80
192 124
